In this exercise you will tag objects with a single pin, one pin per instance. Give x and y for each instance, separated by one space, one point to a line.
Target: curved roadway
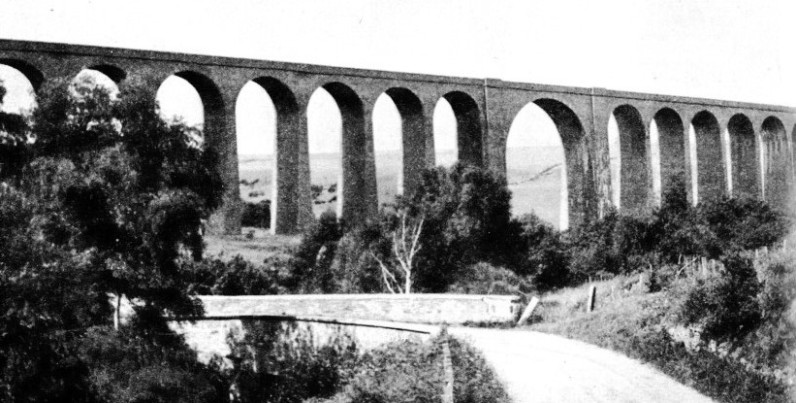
538 367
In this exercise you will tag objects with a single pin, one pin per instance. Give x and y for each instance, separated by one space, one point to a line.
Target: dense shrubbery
413 371
276 363
107 200
256 214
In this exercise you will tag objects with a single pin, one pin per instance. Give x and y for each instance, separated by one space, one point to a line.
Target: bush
311 267
547 258
237 276
483 278
725 307
256 214
717 377
279 363
412 371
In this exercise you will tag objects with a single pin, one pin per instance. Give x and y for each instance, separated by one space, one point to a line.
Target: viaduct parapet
740 148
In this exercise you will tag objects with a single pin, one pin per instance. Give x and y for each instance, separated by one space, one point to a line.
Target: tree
405 246
108 199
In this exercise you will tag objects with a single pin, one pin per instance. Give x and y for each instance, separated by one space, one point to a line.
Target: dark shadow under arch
114 73
777 174
468 128
672 149
711 170
635 174
33 74
744 156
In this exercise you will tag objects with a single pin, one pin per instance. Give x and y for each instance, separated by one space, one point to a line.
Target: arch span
671 147
214 132
285 173
31 72
777 173
469 133
414 150
357 193
635 176
711 181
744 157
572 136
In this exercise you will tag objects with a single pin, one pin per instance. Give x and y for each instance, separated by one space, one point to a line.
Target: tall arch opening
545 163
667 127
20 88
399 142
467 118
267 123
446 145
631 176
193 99
17 102
776 163
744 157
710 169
354 191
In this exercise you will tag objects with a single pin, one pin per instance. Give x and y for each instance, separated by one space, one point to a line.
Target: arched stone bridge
741 148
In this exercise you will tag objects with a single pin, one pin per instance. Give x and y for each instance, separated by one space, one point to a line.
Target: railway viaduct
740 148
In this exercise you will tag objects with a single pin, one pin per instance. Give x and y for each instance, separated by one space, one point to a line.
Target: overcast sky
726 49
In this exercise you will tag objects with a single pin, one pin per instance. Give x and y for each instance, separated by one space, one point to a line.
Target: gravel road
537 367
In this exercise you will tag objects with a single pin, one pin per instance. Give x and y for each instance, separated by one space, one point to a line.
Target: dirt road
537 367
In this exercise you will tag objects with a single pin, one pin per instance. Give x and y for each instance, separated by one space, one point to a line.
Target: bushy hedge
256 214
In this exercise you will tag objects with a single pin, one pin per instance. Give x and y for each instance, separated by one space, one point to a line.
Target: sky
727 49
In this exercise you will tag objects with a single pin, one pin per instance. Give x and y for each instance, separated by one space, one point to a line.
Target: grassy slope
634 322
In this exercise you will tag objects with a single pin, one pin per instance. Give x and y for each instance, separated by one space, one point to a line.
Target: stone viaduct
740 148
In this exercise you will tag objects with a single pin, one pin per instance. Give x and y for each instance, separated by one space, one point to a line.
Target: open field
534 177
256 249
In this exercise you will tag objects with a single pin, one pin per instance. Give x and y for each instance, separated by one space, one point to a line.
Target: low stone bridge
740 148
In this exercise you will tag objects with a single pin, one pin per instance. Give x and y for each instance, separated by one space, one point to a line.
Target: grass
639 324
255 249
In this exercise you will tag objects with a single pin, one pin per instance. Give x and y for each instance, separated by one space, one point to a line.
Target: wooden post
528 311
592 298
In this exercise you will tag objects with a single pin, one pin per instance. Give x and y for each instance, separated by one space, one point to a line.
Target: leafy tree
467 219
108 199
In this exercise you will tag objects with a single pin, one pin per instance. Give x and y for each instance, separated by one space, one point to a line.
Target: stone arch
114 73
710 172
468 127
413 137
285 173
357 198
744 159
776 162
635 176
571 134
218 135
672 150
31 72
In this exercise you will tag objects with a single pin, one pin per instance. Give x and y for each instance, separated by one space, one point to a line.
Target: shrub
237 276
725 306
311 267
483 278
547 258
256 214
410 370
285 364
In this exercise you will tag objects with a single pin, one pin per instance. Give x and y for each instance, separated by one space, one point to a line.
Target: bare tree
405 245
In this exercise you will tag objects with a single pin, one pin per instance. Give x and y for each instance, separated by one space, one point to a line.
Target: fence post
447 390
528 311
592 298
